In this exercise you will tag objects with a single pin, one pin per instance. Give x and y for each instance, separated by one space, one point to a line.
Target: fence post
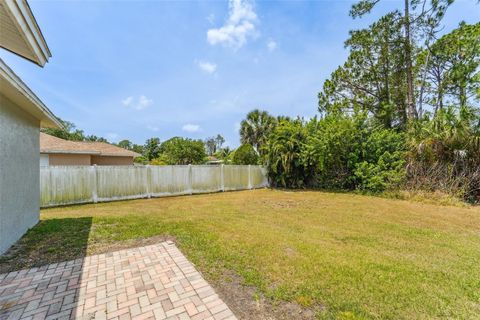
190 178
147 180
93 176
249 176
222 178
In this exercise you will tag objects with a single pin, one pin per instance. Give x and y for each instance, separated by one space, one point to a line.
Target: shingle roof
51 144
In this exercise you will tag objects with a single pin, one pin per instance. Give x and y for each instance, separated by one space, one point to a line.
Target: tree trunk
462 95
411 109
424 77
439 93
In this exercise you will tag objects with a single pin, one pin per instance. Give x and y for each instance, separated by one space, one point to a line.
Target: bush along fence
62 185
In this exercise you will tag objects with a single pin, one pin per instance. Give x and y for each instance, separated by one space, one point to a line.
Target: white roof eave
25 98
21 14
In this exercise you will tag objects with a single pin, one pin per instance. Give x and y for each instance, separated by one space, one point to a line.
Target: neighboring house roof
12 87
51 144
20 33
213 160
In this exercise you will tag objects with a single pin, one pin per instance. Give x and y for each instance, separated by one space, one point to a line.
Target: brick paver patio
151 282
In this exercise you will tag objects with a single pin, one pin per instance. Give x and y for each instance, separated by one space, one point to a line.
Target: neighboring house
214 160
21 116
59 152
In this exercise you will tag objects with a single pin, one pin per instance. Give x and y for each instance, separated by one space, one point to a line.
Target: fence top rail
152 166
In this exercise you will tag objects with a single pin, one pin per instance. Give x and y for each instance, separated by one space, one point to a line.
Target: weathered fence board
236 177
169 180
65 185
206 179
61 185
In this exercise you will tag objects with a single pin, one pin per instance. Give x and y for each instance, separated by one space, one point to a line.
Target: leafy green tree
214 144
181 151
94 138
125 144
373 135
255 129
67 132
210 145
138 148
452 68
419 16
219 141
245 154
373 77
141 160
151 150
461 49
223 153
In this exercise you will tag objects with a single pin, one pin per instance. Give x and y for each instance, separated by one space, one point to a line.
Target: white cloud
271 45
153 128
211 18
191 127
127 101
144 102
138 104
207 67
239 26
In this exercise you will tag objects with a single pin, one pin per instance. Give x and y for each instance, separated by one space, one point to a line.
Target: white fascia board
95 153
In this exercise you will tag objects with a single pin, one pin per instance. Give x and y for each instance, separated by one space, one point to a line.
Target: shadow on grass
58 241
51 240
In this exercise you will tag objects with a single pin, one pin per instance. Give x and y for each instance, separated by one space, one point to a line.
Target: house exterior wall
19 172
112 161
69 159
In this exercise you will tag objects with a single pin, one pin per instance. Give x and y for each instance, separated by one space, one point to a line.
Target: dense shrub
336 152
444 153
355 152
245 154
332 150
383 164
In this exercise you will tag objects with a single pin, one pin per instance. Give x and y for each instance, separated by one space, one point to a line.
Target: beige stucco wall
112 161
87 160
19 172
69 159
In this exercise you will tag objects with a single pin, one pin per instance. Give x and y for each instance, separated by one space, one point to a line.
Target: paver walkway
151 282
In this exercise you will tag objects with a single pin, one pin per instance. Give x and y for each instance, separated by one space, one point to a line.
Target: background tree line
401 113
174 151
70 132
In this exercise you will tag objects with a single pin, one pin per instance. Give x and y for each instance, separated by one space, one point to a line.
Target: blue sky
140 69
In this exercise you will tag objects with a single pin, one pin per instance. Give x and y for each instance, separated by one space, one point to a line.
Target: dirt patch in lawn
247 303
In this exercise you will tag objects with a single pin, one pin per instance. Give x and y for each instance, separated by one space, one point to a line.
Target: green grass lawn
346 256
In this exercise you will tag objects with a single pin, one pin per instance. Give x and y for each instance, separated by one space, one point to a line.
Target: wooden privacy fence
61 185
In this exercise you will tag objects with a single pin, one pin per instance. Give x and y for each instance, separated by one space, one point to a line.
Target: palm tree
255 129
449 133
